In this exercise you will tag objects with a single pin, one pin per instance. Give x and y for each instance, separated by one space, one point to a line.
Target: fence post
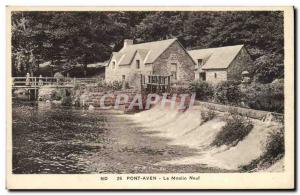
159 78
35 88
169 83
141 83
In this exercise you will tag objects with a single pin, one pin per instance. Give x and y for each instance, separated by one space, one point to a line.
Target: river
55 139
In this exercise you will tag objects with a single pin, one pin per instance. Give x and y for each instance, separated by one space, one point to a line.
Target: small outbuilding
221 64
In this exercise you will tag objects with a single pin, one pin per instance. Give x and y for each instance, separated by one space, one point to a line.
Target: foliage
66 101
179 89
275 143
207 115
65 38
273 150
204 91
268 67
268 97
227 92
235 130
70 38
115 85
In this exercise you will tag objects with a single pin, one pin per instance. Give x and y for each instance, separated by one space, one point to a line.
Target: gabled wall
132 74
162 66
216 75
242 62
175 54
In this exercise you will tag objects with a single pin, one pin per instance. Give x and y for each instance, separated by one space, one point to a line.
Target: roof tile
151 49
216 58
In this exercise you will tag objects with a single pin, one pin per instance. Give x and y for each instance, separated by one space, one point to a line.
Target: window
113 64
202 76
215 75
173 57
123 77
138 64
200 62
174 74
174 70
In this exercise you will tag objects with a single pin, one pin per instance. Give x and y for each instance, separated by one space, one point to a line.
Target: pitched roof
149 52
216 58
97 65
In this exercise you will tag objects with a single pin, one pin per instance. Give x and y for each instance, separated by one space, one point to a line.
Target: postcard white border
284 180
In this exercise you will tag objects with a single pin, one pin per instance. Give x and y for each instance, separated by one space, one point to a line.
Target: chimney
127 42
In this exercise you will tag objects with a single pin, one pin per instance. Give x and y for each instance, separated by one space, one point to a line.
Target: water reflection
53 139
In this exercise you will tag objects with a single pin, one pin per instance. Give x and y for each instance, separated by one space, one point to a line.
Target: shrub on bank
228 92
269 97
115 85
235 130
179 89
204 90
207 115
274 150
275 144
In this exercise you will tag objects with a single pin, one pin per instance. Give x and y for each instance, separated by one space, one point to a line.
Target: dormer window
113 64
200 62
138 64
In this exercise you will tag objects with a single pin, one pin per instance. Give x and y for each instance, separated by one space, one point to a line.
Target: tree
71 38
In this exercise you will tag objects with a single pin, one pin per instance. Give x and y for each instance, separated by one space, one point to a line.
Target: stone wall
215 76
164 65
247 112
131 72
241 63
175 54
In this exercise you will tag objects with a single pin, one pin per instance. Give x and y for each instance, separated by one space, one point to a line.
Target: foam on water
183 128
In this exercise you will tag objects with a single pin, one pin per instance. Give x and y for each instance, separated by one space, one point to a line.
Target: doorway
202 76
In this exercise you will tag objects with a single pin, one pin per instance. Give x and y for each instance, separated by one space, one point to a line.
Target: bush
275 144
269 97
66 101
207 115
180 89
228 92
204 91
235 130
273 151
116 85
102 84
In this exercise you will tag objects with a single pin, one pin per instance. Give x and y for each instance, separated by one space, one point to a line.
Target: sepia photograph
139 94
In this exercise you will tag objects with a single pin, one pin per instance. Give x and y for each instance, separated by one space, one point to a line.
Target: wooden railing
155 83
40 81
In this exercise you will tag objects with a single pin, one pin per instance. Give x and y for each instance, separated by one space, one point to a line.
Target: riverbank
53 139
49 138
189 130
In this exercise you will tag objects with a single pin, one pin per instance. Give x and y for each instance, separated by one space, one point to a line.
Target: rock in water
91 107
57 102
